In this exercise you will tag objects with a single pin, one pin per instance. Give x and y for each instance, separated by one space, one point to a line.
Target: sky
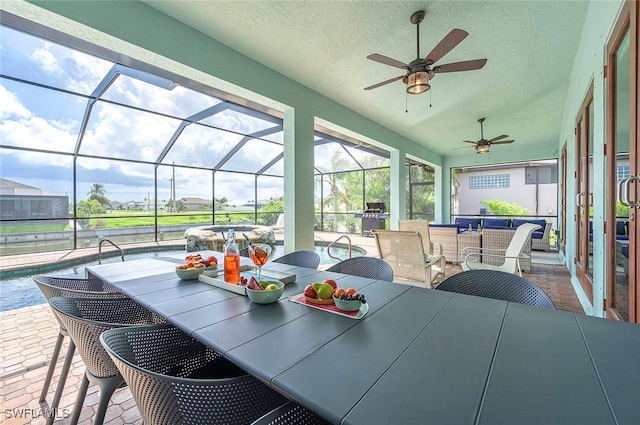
37 118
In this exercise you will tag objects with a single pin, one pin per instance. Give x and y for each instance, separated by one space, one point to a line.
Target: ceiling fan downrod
416 18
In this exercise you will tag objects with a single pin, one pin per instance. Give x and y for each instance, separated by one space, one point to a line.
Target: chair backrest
244 252
403 251
497 285
176 380
302 258
370 267
420 226
54 286
86 318
521 236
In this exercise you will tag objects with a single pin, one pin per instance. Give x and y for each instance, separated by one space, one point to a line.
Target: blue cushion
537 234
621 228
520 221
491 223
590 227
622 237
498 227
465 222
625 251
454 226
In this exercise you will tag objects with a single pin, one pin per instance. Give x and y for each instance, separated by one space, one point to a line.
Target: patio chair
511 256
244 252
177 380
404 252
290 414
85 319
52 286
370 267
302 258
422 227
497 285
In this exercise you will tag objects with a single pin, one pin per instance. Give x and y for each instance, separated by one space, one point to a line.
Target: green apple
271 286
324 290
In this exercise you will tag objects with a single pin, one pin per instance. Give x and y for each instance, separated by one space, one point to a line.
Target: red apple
332 283
309 292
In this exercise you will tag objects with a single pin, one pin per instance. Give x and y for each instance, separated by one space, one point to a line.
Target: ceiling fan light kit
482 149
482 146
420 71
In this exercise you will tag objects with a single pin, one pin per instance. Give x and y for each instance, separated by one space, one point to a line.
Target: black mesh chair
370 267
53 286
497 285
290 414
85 319
302 258
244 252
177 380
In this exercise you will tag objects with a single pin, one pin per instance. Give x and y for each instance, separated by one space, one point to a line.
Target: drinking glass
259 254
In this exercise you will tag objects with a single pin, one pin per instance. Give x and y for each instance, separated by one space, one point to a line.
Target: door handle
580 199
622 192
635 203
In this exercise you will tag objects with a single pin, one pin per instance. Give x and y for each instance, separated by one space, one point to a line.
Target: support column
298 180
398 186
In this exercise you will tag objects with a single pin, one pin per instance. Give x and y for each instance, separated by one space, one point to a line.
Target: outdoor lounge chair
404 252
511 256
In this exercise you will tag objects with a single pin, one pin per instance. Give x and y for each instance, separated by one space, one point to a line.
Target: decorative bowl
347 305
189 274
266 296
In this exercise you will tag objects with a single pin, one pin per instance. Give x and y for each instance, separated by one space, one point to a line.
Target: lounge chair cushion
495 223
519 221
622 237
625 251
621 228
465 222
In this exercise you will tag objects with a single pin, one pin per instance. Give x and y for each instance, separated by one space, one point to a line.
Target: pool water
22 291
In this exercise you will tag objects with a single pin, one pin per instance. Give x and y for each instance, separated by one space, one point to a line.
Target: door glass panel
589 184
622 120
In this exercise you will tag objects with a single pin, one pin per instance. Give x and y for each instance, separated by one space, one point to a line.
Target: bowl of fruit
348 299
265 291
194 265
320 292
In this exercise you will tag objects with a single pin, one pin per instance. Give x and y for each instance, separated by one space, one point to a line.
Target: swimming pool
22 291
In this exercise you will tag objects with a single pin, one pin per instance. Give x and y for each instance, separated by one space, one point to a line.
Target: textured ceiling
530 47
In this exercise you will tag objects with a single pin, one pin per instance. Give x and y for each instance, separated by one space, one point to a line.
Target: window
489 181
622 172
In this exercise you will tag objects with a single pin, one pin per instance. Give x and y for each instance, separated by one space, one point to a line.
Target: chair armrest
439 245
481 251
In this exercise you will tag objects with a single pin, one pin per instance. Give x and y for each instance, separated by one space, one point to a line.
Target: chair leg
62 380
52 367
82 393
107 386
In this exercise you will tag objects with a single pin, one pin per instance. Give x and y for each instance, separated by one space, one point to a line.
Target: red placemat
331 308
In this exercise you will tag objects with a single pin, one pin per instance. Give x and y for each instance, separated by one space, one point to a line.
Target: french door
623 178
584 197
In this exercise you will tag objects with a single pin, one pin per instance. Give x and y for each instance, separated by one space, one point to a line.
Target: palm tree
97 189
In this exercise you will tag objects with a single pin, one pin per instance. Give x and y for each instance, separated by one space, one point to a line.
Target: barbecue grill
373 217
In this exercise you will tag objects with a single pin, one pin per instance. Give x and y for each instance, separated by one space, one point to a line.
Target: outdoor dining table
417 356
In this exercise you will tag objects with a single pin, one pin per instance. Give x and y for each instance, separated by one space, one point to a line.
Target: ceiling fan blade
463 147
375 86
460 66
450 41
502 142
498 138
387 61
469 141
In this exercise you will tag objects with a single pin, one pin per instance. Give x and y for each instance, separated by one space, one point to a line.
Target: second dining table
417 356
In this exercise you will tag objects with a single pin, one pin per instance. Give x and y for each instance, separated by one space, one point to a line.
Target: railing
113 244
332 243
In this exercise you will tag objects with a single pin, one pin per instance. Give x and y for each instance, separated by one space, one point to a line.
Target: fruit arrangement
253 284
327 292
196 261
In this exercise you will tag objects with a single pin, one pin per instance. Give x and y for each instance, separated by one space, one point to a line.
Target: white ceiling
530 46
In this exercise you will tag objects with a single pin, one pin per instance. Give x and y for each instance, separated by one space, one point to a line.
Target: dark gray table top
418 356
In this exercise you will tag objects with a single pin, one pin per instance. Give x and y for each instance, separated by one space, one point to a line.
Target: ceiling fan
482 145
420 71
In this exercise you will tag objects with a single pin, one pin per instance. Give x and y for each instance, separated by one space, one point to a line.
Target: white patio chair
512 255
422 227
404 252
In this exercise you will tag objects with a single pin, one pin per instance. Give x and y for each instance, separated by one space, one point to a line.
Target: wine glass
259 254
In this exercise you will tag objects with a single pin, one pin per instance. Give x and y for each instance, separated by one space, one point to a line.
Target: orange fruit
181 267
338 292
199 265
190 265
350 291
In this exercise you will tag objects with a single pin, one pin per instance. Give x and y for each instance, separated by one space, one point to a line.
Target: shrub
504 208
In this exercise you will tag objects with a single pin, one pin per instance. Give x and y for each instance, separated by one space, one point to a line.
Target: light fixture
418 82
482 148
